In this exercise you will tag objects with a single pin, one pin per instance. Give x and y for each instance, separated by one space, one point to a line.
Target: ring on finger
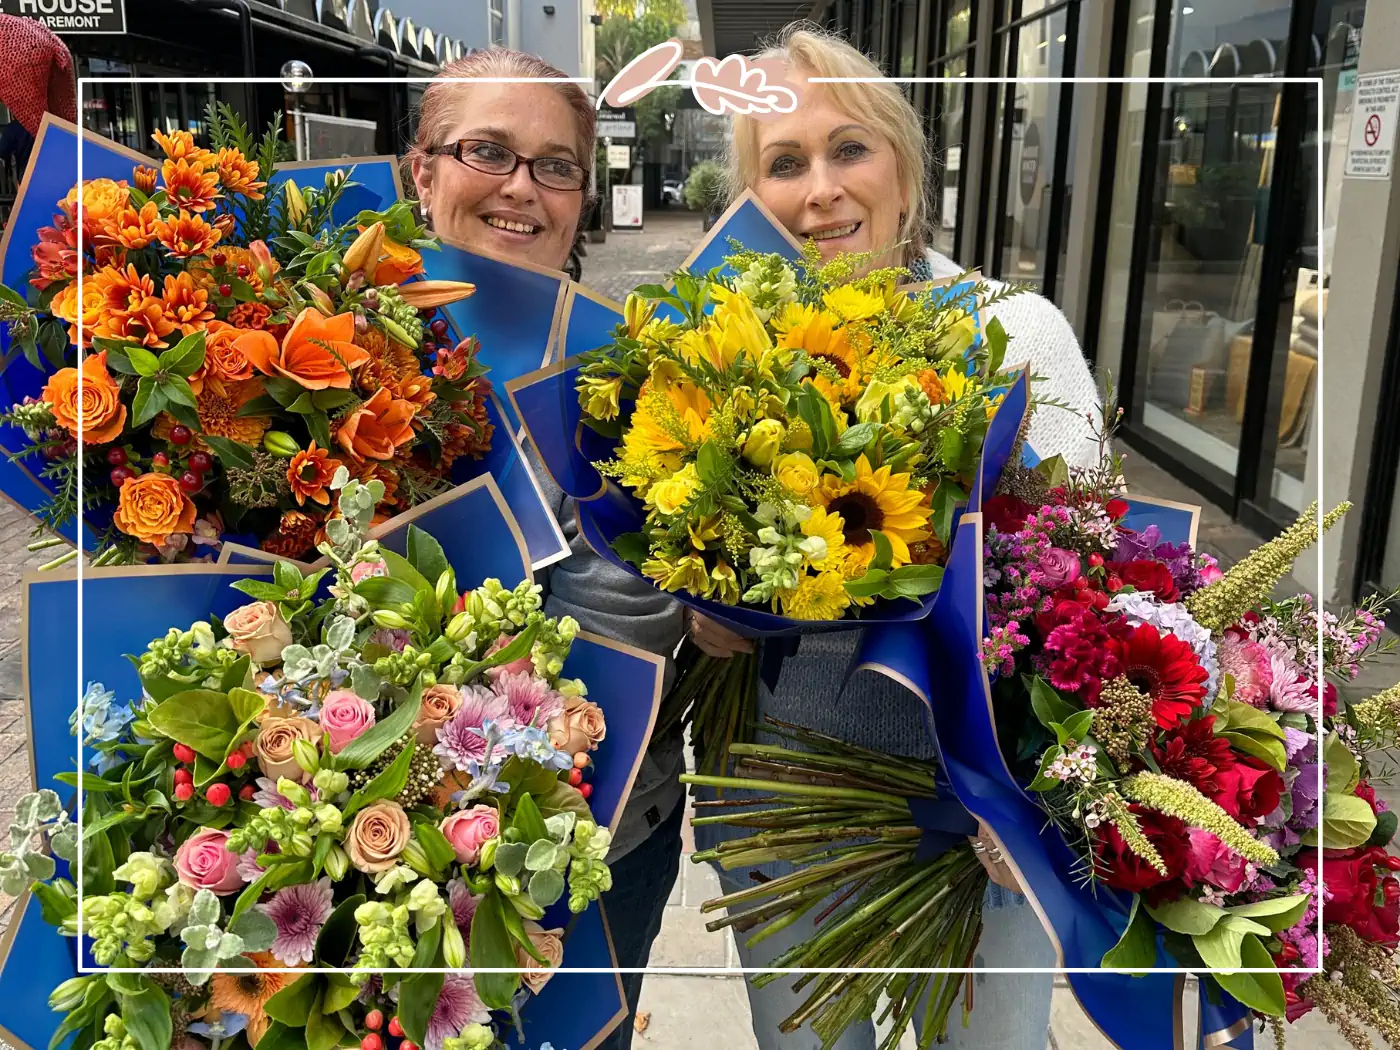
979 847
994 854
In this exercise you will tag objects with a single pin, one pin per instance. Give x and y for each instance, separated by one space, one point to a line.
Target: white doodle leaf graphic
734 86
643 74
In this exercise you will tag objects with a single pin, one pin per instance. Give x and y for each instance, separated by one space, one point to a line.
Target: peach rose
259 630
102 413
580 728
378 427
549 943
274 746
520 665
377 836
102 198
303 355
344 716
440 702
470 829
153 507
222 358
204 862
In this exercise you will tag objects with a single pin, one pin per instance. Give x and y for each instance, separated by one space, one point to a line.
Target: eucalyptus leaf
546 887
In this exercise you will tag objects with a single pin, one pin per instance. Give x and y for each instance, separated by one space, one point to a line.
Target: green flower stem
62 559
45 544
796 894
794 816
804 790
841 765
830 873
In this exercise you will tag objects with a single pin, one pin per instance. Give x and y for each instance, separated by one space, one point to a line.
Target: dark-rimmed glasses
553 173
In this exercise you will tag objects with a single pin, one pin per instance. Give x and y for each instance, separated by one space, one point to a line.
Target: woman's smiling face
510 215
827 176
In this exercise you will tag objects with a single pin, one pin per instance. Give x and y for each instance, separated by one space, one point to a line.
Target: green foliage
704 187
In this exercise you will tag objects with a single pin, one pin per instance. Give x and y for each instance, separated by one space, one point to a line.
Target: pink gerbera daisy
299 912
458 1005
530 700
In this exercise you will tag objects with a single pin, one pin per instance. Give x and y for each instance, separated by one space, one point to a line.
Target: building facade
1197 233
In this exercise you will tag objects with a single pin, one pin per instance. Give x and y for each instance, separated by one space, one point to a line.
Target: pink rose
259 630
470 829
1214 862
550 944
1059 567
205 863
363 570
344 716
524 665
580 728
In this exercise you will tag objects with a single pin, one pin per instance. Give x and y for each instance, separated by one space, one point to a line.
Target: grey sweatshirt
608 601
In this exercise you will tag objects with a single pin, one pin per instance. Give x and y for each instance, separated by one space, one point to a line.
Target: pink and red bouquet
1168 716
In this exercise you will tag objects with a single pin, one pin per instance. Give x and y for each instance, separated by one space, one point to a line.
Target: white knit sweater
1040 334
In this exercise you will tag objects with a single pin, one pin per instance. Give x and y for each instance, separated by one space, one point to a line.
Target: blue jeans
642 882
1011 1011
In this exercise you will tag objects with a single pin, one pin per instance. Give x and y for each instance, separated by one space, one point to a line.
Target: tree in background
629 28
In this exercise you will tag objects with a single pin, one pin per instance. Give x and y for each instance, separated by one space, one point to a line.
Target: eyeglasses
553 173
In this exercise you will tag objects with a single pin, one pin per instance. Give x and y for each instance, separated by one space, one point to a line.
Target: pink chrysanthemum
268 797
1289 691
458 1005
1247 662
461 740
248 867
531 701
463 904
299 912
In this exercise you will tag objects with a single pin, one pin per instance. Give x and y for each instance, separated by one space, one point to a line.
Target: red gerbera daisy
1163 667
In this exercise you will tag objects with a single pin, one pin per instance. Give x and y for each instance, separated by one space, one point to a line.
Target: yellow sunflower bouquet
800 437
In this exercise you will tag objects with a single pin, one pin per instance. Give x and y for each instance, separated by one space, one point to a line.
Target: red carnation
1351 882
1127 871
1117 509
1007 513
1076 655
1163 667
1147 575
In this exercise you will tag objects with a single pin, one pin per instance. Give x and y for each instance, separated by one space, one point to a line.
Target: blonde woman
504 169
847 169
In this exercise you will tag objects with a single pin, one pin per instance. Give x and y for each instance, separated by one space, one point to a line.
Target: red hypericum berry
243 270
1115 582
121 475
184 792
1081 584
246 792
575 776
191 482
395 1029
408 1044
1096 561
236 761
218 258
201 462
116 455
1393 863
217 794
180 434
371 1042
225 290
585 790
183 776
184 753
374 1020
439 327
160 459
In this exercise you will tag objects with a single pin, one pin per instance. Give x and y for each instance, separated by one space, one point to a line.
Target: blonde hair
881 106
439 109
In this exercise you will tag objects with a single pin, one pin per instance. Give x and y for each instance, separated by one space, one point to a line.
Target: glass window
957 26
498 22
952 57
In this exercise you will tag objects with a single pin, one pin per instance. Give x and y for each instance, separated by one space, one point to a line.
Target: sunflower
876 500
247 991
853 304
827 342
821 596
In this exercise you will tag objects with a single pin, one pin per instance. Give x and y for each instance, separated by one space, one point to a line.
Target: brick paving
685 1011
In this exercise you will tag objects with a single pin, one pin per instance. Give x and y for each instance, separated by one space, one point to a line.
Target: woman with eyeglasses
503 169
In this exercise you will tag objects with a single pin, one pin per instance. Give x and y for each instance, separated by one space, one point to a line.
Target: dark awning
742 26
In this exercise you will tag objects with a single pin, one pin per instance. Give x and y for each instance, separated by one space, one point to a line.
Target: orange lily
316 352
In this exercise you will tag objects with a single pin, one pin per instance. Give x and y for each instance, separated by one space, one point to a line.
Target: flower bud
422 295
637 311
508 884
307 756
296 203
454 948
764 441
337 863
487 860
145 179
70 994
226 224
446 590
416 857
302 844
328 817
368 247
389 618
280 444
330 782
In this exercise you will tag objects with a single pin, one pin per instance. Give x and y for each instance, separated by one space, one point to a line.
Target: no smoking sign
1371 149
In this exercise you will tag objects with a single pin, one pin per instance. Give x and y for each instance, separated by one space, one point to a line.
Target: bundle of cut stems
717 697
840 815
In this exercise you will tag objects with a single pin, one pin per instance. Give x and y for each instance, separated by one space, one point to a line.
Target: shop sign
619 157
71 16
627 207
617 124
1371 148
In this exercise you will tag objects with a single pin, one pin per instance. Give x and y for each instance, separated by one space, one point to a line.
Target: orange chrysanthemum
247 991
187 235
250 315
296 534
186 304
472 437
309 472
238 174
145 178
128 307
417 391
132 228
219 404
189 186
385 473
180 145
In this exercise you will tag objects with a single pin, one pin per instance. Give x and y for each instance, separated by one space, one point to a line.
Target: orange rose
222 357
377 427
401 263
102 199
303 355
102 413
153 507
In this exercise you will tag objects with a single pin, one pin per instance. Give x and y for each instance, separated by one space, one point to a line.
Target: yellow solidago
1177 798
817 597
